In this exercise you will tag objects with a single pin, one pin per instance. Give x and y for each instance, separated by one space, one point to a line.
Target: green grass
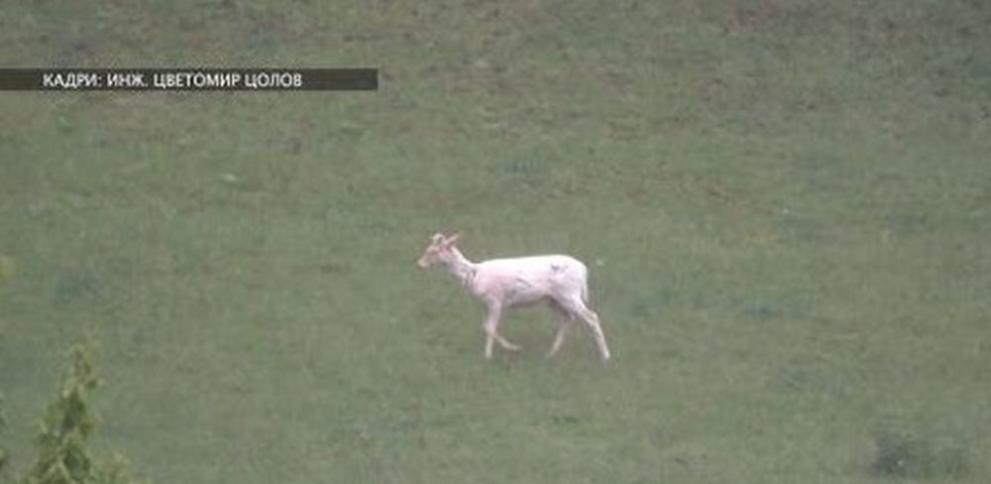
789 202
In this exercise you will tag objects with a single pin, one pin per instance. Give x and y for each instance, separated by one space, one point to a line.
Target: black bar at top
188 79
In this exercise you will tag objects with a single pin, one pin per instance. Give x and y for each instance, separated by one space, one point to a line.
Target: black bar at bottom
188 79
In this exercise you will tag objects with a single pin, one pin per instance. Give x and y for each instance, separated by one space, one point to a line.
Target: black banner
189 79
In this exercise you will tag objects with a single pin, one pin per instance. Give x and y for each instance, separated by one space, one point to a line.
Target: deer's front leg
489 325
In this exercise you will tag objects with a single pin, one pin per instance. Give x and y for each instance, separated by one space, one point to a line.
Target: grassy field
786 207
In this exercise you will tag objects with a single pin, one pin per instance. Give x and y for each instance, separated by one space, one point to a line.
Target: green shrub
62 453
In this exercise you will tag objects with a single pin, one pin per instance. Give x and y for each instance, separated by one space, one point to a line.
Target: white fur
559 280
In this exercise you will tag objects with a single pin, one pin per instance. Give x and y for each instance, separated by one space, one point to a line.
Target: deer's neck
461 268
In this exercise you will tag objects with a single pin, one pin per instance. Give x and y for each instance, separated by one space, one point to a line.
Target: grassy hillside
786 207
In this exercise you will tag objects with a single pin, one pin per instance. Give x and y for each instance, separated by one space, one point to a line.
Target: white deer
560 280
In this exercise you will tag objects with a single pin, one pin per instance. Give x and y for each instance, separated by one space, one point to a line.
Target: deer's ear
449 241
437 238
